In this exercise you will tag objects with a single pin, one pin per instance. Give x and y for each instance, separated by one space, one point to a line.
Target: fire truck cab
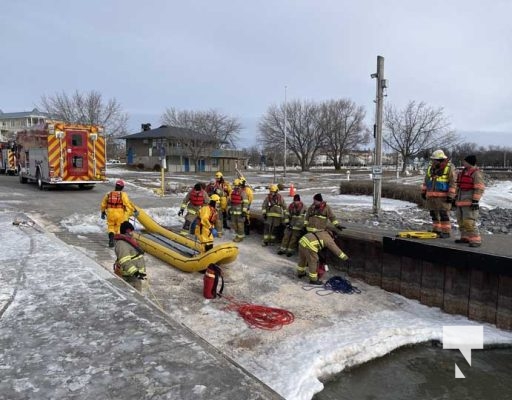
59 153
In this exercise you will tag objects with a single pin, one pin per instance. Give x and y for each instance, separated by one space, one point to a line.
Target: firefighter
237 206
470 188
223 190
293 231
309 246
250 197
129 256
272 209
438 189
116 207
218 222
193 201
205 224
318 215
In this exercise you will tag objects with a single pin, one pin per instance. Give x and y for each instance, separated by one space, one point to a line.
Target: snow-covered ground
329 333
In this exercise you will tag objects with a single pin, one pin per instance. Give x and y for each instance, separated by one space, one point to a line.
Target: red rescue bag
211 279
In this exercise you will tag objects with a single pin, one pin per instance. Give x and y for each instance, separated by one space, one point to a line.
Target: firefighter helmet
218 175
237 182
273 188
243 181
215 197
120 183
438 155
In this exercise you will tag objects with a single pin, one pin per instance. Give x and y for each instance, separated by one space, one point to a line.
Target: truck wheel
22 178
84 186
39 180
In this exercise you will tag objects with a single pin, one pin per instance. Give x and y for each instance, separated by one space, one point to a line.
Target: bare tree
211 123
89 109
415 129
342 124
304 138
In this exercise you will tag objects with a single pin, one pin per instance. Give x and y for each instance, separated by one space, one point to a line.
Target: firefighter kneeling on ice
129 256
116 207
317 238
205 224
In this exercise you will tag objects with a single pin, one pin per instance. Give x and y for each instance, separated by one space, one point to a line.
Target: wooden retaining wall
458 281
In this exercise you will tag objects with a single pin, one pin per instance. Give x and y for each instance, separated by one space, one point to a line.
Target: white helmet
438 155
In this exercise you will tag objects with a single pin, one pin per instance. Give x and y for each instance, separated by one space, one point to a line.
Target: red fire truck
59 153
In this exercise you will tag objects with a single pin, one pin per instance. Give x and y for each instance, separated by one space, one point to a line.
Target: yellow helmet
237 182
438 155
273 188
218 175
215 197
243 181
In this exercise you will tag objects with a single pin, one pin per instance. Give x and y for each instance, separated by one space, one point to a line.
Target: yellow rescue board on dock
417 235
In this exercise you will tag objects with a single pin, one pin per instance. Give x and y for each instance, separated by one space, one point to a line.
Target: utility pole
377 133
285 117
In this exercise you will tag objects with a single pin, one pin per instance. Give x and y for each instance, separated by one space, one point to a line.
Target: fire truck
8 158
59 153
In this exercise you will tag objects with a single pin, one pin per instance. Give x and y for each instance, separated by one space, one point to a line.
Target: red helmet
120 183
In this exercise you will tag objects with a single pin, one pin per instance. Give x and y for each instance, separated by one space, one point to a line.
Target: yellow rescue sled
417 235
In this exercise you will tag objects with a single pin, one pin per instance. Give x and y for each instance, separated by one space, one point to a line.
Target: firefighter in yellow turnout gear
250 197
193 201
205 227
293 231
470 188
317 217
116 207
438 190
237 206
223 190
273 211
129 256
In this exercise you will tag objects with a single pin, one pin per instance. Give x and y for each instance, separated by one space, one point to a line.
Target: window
78 162
76 140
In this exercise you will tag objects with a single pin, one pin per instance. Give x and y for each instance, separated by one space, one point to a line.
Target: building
12 122
182 149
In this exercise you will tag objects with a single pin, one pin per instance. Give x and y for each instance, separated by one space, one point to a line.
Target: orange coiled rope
262 317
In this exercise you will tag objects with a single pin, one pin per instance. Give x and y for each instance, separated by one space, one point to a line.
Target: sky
241 57
343 330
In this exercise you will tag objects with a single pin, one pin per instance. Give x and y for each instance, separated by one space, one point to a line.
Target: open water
426 372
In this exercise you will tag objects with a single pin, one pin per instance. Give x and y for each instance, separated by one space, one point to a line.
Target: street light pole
285 117
377 166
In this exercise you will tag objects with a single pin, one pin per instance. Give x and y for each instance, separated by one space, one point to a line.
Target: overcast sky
238 56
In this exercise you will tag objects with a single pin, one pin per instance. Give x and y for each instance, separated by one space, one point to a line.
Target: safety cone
292 190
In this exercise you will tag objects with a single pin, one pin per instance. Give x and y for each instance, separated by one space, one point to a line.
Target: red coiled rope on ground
262 317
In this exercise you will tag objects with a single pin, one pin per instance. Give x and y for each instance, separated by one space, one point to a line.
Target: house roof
166 131
22 114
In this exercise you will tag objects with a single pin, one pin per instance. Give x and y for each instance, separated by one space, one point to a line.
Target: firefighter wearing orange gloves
237 206
293 231
470 188
116 208
193 201
273 212
205 224
438 190
318 215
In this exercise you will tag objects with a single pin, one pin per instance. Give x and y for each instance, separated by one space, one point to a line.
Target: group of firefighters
208 208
